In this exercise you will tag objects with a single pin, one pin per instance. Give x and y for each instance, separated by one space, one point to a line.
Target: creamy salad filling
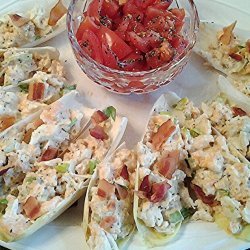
111 202
91 148
219 179
232 122
164 201
18 65
19 29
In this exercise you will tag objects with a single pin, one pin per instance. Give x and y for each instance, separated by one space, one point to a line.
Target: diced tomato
178 25
32 208
207 199
91 45
115 43
6 122
163 133
109 57
130 9
107 222
98 117
153 12
94 9
49 154
136 27
98 133
124 173
145 185
122 28
136 84
141 43
158 24
154 38
160 56
137 35
163 5
105 189
238 111
36 91
143 4
178 13
159 191
122 192
86 24
109 8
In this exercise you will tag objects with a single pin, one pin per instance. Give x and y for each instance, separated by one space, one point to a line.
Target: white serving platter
198 83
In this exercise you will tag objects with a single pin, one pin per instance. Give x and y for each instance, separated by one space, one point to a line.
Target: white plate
196 82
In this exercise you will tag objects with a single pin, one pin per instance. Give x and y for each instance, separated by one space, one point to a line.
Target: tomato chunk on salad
135 35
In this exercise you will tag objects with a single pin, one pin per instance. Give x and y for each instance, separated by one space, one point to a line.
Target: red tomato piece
143 4
109 58
114 42
94 9
163 5
154 38
133 62
86 24
109 8
122 28
178 13
136 27
141 43
91 45
130 8
158 24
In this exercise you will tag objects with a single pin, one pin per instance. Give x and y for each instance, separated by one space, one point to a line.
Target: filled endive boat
161 201
226 52
28 24
19 65
220 175
108 210
35 186
34 78
230 120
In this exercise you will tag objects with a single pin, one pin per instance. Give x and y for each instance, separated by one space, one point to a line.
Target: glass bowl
125 82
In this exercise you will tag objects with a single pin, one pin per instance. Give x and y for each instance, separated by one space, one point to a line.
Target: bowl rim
166 67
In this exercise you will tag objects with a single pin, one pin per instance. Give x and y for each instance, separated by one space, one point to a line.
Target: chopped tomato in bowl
128 41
